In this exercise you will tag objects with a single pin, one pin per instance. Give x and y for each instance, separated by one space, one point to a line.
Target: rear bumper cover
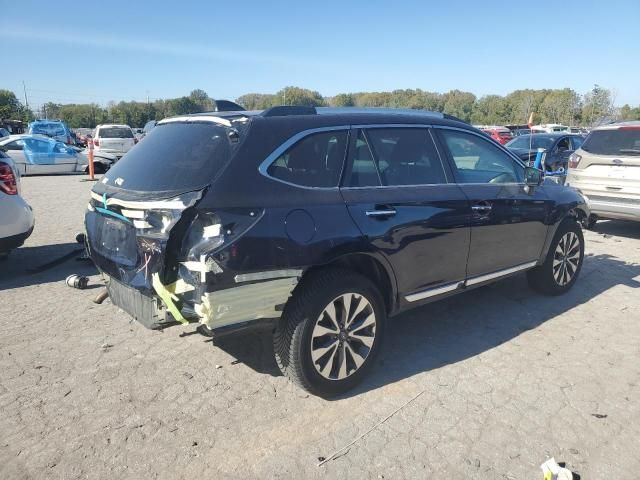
14 241
255 305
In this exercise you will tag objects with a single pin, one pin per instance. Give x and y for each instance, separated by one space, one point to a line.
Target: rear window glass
175 157
115 132
613 142
51 129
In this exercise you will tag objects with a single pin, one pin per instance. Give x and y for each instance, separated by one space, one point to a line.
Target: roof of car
613 126
328 115
112 125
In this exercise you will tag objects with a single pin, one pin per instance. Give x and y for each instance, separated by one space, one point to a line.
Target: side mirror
533 177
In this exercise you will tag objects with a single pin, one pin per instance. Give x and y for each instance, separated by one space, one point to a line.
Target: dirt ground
506 377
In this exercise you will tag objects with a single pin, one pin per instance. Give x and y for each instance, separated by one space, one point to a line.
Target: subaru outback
321 224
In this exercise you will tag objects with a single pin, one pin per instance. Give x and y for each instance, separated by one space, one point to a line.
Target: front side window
314 161
478 161
564 145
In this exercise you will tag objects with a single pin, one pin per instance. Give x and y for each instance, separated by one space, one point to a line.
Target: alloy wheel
566 258
343 336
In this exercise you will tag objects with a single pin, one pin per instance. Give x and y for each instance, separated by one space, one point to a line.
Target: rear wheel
563 263
330 332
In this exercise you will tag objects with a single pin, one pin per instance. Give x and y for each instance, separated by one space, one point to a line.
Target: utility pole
26 102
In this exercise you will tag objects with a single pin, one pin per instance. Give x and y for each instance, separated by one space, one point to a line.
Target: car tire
318 348
589 222
562 266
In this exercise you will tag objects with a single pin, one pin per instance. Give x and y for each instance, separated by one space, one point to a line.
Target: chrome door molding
450 287
500 273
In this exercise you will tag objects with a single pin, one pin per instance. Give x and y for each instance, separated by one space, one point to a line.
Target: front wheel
330 332
563 263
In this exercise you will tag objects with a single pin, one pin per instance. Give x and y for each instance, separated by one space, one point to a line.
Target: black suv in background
322 224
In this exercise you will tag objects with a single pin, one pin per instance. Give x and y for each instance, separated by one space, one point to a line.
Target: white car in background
114 139
16 216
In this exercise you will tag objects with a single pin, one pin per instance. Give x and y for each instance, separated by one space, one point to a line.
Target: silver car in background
40 155
606 169
16 216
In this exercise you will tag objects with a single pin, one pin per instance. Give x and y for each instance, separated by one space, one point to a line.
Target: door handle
386 212
482 208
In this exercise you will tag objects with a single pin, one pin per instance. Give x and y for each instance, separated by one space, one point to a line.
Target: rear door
508 225
399 194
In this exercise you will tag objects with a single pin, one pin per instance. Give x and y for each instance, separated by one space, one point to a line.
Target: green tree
300 96
598 106
202 100
459 104
10 107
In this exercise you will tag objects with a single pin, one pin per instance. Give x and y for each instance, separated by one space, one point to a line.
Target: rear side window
176 157
314 161
115 132
405 156
623 141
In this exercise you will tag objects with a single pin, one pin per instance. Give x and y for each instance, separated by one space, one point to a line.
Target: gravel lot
509 378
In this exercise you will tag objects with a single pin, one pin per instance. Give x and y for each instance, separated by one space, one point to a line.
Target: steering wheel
503 178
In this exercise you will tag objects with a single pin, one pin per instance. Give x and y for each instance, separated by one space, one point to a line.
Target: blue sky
115 50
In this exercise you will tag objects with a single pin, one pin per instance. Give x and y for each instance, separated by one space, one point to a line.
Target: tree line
548 105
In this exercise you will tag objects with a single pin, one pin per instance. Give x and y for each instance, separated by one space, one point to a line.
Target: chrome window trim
449 182
273 156
500 273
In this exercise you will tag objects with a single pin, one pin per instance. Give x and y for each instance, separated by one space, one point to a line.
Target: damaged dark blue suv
322 224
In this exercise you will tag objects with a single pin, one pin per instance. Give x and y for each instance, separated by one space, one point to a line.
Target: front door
398 192
508 220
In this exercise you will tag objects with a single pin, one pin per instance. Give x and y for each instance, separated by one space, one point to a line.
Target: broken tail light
8 181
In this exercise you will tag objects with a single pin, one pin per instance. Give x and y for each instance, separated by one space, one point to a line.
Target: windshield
50 129
175 157
613 142
536 141
115 132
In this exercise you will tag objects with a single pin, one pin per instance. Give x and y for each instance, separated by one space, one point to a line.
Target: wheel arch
371 266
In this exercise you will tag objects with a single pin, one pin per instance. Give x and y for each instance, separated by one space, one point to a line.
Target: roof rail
285 110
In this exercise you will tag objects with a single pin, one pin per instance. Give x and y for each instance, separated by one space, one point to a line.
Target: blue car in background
55 129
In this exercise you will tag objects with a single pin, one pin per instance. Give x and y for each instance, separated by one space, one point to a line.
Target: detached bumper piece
141 307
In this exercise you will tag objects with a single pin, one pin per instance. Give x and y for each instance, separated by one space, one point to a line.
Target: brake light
96 142
630 127
574 160
68 140
8 181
